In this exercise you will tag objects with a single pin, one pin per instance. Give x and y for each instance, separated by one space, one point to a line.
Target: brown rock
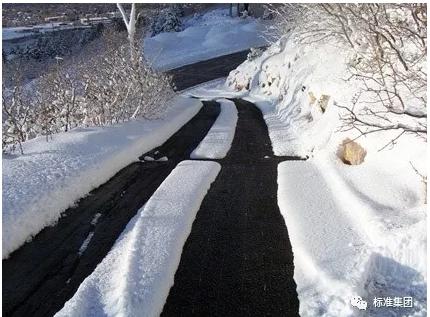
351 153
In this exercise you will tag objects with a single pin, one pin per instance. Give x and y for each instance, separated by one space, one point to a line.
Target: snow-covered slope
51 176
207 36
134 279
217 142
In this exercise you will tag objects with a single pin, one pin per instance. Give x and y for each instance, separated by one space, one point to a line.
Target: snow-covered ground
355 230
39 185
368 235
135 277
217 142
206 36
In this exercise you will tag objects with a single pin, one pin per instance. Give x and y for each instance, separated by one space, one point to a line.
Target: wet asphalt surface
237 260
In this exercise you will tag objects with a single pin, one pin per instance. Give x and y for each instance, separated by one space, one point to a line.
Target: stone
351 153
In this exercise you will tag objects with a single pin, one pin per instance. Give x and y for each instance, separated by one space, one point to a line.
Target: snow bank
218 141
207 36
51 176
355 232
135 277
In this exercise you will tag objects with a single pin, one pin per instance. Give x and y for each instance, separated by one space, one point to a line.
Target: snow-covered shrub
110 87
313 58
119 88
19 113
387 59
17 118
58 100
168 20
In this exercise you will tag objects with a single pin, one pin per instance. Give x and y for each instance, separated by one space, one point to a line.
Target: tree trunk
130 24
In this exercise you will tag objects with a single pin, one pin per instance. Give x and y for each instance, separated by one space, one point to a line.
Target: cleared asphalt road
238 260
191 75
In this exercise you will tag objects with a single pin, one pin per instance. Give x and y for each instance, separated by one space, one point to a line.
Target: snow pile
52 175
206 36
218 141
135 277
367 236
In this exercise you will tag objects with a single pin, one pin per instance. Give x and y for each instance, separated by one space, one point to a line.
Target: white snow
212 34
355 231
39 185
135 277
218 141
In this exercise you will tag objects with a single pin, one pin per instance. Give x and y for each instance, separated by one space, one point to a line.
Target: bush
168 20
387 45
109 88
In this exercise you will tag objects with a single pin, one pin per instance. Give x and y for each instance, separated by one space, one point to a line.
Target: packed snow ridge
218 141
206 36
135 277
51 176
